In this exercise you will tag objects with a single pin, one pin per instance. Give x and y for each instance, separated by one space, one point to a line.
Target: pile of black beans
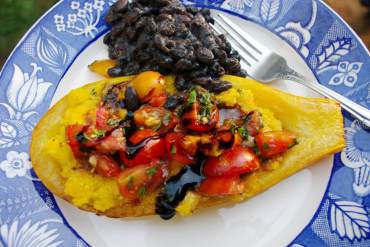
166 36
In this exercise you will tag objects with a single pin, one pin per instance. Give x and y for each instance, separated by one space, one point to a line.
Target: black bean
220 54
166 27
217 69
115 72
151 26
132 101
181 83
178 52
141 55
165 16
131 68
121 6
173 101
202 81
161 43
163 2
140 23
183 65
133 15
200 72
205 55
235 54
164 61
218 86
165 36
232 64
192 9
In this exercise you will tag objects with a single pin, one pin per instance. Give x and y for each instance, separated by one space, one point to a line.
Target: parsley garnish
113 122
151 171
156 128
243 132
93 92
265 146
142 192
173 149
98 133
192 97
167 118
206 104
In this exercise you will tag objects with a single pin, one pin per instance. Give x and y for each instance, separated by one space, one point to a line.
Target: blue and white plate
327 204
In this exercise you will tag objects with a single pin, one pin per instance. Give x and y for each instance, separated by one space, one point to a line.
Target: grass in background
16 17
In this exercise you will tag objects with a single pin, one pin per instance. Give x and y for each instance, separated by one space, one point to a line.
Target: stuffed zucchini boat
134 146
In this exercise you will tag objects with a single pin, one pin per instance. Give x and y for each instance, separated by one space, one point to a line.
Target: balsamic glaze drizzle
175 189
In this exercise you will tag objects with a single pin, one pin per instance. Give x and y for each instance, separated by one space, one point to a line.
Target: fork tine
235 45
240 43
245 37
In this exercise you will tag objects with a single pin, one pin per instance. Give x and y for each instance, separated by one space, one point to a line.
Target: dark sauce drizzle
132 150
176 187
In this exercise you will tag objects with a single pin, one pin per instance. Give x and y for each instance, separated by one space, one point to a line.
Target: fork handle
357 111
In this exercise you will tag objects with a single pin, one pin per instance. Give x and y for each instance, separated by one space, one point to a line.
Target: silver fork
264 65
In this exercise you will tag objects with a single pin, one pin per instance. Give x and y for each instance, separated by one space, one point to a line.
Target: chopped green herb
98 133
192 97
93 92
113 122
142 191
243 132
151 171
205 98
256 150
179 110
173 149
156 128
206 104
167 118
265 146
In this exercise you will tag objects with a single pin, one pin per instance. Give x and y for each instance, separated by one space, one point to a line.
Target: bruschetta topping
140 129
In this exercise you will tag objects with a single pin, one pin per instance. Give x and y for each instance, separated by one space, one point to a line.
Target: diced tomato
254 123
191 119
147 83
232 140
175 150
93 135
104 165
221 186
152 149
237 140
140 135
136 182
274 142
232 162
225 136
156 118
71 133
116 141
158 99
102 117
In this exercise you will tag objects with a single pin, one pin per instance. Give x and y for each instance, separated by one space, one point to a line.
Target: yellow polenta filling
84 187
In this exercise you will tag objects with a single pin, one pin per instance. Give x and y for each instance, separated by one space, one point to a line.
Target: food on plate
166 36
133 146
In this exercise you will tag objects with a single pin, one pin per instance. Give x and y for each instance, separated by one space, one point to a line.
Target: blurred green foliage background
16 16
